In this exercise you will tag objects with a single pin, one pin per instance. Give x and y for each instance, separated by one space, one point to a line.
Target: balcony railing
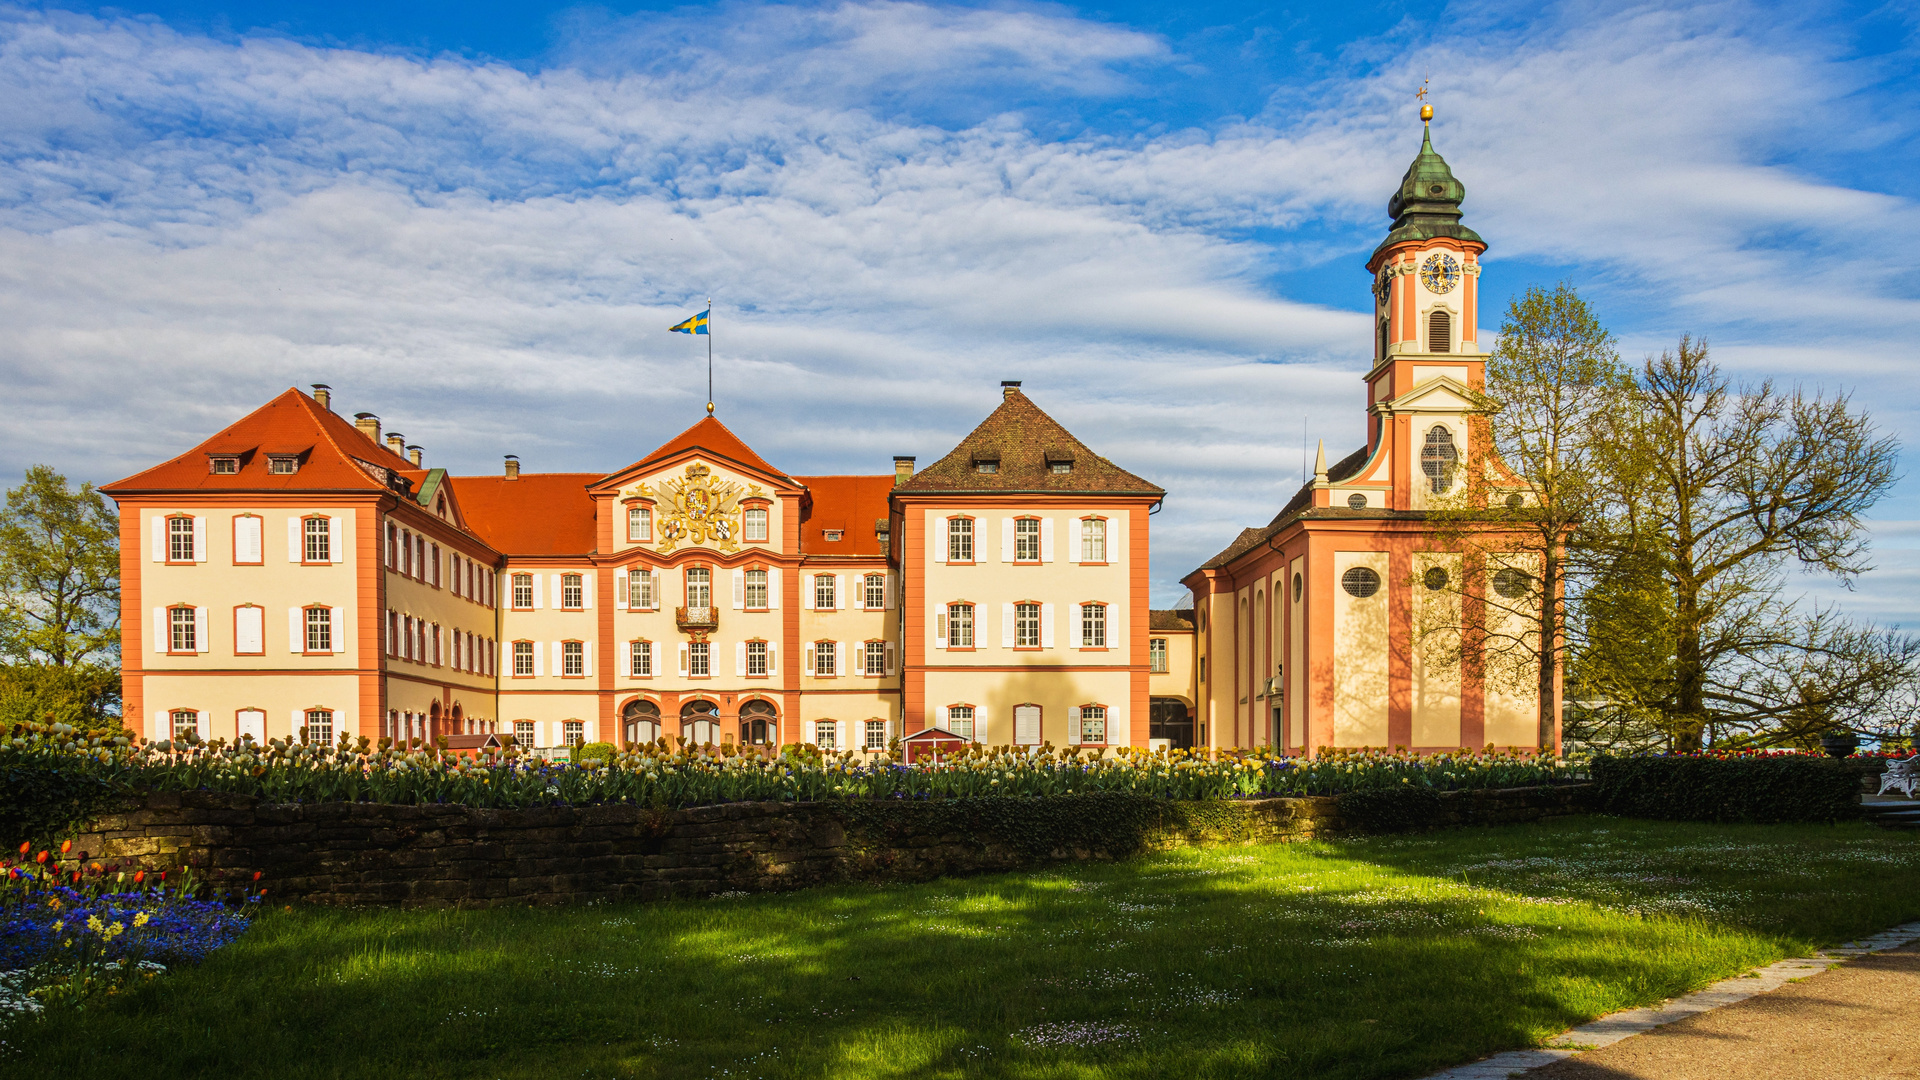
697 618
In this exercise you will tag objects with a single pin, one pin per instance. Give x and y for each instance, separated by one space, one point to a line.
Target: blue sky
477 219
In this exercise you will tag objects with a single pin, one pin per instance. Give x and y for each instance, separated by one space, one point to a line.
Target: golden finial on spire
1426 110
1426 114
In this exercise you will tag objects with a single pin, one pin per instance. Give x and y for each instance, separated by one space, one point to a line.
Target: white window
1093 626
641 659
640 588
249 630
1026 725
824 654
960 720
876 735
1093 724
184 723
1026 540
1093 540
180 546
876 657
756 658
225 466
1026 626
523 592
575 732
824 598
573 658
315 548
959 626
960 540
756 589
876 592
571 594
825 735
523 658
699 587
754 525
319 630
1157 655
699 655
319 730
283 466
182 630
640 524
523 732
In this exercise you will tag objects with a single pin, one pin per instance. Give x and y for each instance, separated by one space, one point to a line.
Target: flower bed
659 775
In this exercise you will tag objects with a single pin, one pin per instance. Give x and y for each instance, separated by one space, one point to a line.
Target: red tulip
163 875
66 847
25 846
42 857
139 876
256 875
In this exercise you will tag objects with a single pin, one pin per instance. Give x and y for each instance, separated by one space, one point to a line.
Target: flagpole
709 356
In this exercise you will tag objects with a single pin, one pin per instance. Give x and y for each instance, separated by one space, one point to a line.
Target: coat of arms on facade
699 510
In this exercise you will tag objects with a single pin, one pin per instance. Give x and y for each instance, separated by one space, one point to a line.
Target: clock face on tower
1439 274
1383 284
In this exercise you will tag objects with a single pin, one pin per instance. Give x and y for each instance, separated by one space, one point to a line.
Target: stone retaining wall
440 856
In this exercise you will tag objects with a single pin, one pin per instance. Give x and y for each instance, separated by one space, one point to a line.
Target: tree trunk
1548 652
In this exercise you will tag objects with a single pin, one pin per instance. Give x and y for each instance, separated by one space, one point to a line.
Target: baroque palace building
1000 595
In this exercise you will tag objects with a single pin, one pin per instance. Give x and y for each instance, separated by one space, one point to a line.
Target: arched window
1438 458
700 723
1383 339
759 724
641 720
1439 331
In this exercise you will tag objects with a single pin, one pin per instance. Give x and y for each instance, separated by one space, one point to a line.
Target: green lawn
1368 958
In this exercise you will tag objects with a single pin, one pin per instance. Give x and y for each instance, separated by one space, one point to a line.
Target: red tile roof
292 423
537 514
1023 441
710 437
853 504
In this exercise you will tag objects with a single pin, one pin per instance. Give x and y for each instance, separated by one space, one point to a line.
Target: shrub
1754 787
598 751
1406 808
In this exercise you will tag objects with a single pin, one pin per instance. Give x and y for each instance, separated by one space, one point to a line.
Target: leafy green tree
84 695
59 573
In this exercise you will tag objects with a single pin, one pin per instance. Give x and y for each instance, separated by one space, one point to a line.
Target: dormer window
1059 464
986 466
833 535
283 465
224 466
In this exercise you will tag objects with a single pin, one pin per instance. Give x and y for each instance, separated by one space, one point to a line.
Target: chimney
413 455
1009 387
368 424
397 443
902 470
513 466
323 394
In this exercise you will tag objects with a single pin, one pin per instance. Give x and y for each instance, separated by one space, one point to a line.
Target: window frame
869 649
173 630
747 586
687 582
1087 610
639 524
636 576
573 592
870 586
283 464
765 668
973 719
832 727
174 535
308 536
1105 720
868 743
1158 662
573 659
234 533
192 722
747 520
307 725
639 656
308 624
1105 532
700 655
1020 608
969 536
515 653
825 649
237 609
1027 527
972 611
573 732
829 584
513 586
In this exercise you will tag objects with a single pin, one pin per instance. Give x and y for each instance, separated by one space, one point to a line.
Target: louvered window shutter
296 634
858 601
811 656
979 723
773 588
891 598
1006 626
773 657
293 538
1073 726
942 721
586 659
539 658
335 547
1046 626
246 539
1046 539
940 630
339 629
199 629
533 584
559 597
620 590
936 539
683 659
740 596
739 657
161 642
891 662
199 539
159 538
1117 539
839 658
840 735
840 590
1006 540
586 591
1076 539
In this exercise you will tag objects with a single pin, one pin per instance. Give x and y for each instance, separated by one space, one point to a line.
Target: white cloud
488 257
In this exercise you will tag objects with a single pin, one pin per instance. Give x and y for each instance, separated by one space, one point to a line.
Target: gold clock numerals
1440 273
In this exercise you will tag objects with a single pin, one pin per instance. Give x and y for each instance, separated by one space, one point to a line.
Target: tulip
66 847
256 875
139 876
25 846
42 857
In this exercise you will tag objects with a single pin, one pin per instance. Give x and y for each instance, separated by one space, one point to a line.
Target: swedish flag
696 324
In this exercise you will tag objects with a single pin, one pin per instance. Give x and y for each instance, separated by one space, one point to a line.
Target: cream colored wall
1360 654
850 712
277 585
1178 680
1297 655
1435 643
548 711
1054 692
1512 688
990 583
221 698
1423 422
422 600
547 626
851 627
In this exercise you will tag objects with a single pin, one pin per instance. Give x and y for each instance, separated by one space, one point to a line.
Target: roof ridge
1015 433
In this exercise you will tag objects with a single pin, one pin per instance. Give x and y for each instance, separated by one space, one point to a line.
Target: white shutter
557 668
859 600
295 635
839 658
586 659
620 590
891 600
159 729
941 723
812 668
159 537
840 590
246 539
936 538
773 656
939 629
840 735
586 591
1073 726
683 659
1116 725
539 667
200 643
739 658
773 588
339 630
293 538
161 640
1046 626
249 630
334 547
891 664
1006 626
740 597
199 539
1076 538
1117 539
1006 539
1046 539
558 597
979 723
299 720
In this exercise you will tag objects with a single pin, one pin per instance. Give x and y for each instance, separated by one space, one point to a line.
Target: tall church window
1439 331
1438 458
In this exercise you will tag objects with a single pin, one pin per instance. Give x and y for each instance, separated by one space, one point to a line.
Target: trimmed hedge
1757 788
1391 810
38 803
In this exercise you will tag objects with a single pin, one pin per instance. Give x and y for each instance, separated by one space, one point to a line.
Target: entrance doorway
1170 719
641 720
700 723
759 724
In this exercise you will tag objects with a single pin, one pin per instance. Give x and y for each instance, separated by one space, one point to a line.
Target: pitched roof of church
290 424
713 438
1024 441
1301 502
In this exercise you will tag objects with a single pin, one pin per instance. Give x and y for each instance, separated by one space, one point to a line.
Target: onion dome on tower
1427 205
